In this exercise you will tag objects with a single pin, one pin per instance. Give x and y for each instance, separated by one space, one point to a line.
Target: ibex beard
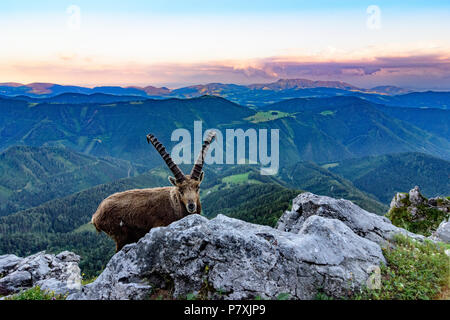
127 216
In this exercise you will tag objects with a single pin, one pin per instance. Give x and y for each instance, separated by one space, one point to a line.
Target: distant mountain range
313 129
249 95
77 98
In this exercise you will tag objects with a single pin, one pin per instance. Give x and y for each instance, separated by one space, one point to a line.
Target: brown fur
127 216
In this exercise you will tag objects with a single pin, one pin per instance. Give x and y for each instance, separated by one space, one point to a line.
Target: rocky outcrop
59 273
414 199
365 224
226 258
399 200
442 233
322 245
418 213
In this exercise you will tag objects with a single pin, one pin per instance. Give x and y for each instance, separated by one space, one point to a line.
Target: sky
181 42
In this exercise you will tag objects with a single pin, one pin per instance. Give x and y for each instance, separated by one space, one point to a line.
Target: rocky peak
227 258
422 215
415 197
368 225
322 245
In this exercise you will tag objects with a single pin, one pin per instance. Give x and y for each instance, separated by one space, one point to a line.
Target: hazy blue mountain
43 90
116 130
78 98
385 175
436 121
391 90
339 127
250 95
428 99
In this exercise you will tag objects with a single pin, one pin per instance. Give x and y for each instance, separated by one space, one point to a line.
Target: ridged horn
178 174
197 169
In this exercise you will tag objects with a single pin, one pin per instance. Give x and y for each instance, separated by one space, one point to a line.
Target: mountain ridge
251 95
319 130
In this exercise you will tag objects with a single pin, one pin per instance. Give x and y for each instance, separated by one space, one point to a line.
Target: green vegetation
357 129
36 294
283 296
414 271
237 178
264 116
330 165
322 296
87 227
424 222
86 281
48 194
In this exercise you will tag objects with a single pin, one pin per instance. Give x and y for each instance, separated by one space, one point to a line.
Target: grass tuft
37 294
414 271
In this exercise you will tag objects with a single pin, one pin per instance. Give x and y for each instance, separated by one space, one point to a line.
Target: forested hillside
33 175
318 130
313 178
384 176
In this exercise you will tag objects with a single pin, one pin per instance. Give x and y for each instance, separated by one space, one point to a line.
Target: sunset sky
181 42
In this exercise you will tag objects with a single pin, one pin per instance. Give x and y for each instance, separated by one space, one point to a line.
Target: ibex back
127 216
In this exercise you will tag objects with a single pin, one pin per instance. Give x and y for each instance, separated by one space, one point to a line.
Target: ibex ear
200 178
173 181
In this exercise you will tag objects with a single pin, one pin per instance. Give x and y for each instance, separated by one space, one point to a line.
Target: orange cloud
431 71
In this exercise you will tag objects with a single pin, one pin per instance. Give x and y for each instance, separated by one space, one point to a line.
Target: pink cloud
414 71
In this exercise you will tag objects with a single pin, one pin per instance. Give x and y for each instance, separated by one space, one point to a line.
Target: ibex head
188 186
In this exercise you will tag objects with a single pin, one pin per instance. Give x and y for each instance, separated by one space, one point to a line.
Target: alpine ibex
127 216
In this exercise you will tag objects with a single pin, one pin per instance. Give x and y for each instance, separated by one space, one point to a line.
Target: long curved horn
197 169
179 175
